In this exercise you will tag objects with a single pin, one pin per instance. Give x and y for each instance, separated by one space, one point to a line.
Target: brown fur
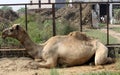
73 49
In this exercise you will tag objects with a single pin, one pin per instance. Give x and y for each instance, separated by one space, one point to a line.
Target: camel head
16 31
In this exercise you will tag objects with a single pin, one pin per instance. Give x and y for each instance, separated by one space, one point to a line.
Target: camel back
80 35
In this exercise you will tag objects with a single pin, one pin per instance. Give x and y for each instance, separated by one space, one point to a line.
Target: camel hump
79 35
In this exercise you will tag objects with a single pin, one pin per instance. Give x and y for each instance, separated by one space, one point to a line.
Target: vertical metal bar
49 1
26 17
53 15
107 23
91 22
31 2
80 17
39 3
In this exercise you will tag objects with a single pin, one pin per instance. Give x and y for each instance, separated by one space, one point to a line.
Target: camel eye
11 30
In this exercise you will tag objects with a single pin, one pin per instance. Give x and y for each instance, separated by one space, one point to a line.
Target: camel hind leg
101 55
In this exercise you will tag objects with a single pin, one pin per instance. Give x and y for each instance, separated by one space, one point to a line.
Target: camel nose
3 36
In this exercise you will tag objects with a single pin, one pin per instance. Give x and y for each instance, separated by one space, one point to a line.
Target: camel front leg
49 63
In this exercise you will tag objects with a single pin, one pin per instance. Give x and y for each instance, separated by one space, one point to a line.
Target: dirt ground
21 66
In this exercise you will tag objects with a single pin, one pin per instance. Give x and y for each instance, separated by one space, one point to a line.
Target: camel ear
17 27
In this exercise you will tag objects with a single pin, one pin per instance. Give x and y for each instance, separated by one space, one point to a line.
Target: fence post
39 3
80 8
26 17
49 1
31 2
53 15
91 22
107 23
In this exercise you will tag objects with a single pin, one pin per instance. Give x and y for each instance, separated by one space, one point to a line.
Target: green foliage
21 10
42 31
33 30
63 28
9 42
46 30
21 20
6 8
38 32
1 41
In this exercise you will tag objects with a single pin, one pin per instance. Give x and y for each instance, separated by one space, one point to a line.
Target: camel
76 48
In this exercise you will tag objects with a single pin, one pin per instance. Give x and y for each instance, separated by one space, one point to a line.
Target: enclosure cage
43 23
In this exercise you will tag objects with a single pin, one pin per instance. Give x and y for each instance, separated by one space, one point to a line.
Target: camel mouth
3 36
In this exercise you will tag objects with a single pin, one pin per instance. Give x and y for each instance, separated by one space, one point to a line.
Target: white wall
33 6
48 5
60 5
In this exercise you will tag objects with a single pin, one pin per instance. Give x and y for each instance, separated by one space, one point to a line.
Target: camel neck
26 41
30 46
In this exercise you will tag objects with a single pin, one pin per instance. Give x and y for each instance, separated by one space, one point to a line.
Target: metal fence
54 27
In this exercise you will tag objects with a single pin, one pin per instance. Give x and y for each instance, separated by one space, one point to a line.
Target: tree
6 8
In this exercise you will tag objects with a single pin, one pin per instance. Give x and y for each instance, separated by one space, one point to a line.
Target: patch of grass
54 72
101 36
102 73
117 29
102 25
118 63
